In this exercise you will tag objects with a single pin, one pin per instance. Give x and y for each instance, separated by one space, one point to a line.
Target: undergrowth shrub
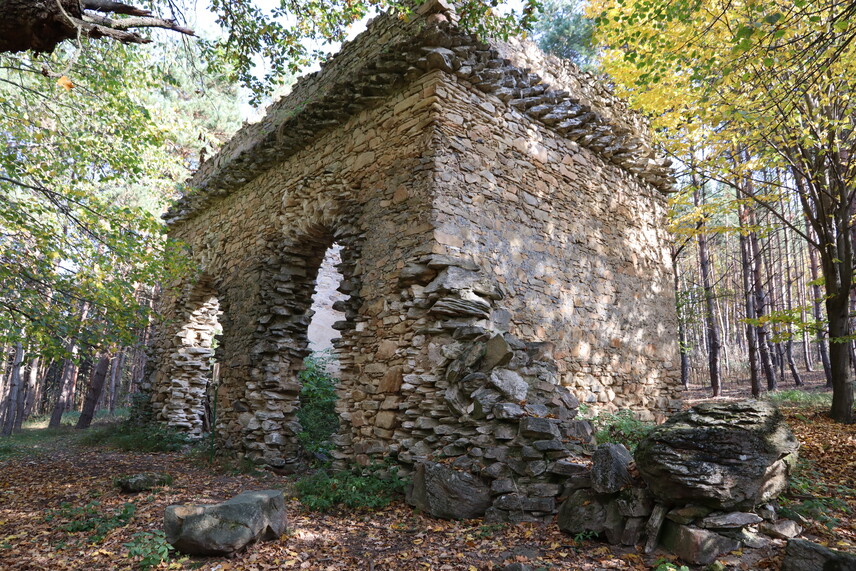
149 548
375 487
317 413
90 518
621 427
808 496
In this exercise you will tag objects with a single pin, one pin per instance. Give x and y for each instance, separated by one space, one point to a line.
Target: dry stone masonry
503 258
702 484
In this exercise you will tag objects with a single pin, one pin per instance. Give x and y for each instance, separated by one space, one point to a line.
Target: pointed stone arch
265 406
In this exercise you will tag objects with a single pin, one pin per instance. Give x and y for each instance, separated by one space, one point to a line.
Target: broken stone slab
721 455
609 471
227 527
781 529
580 430
578 481
446 493
633 529
483 402
539 428
804 555
497 353
695 545
748 538
568 468
456 306
508 411
654 527
731 520
613 525
510 384
143 482
688 514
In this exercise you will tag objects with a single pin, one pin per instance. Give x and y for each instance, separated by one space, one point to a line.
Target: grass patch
800 398
376 488
31 441
137 437
71 418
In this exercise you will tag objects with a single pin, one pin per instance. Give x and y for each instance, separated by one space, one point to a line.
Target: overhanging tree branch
41 25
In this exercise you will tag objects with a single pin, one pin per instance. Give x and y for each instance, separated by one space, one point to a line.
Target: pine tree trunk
93 392
749 303
68 378
115 373
713 338
760 312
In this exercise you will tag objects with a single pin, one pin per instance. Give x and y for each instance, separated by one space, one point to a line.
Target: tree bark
14 387
41 25
760 307
682 333
749 303
817 308
68 377
32 391
93 393
713 338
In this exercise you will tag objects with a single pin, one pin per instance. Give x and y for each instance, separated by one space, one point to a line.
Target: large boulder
227 527
720 455
447 493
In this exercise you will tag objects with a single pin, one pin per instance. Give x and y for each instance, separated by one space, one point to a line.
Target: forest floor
60 509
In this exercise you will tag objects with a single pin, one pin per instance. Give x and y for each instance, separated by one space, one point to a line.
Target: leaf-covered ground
53 487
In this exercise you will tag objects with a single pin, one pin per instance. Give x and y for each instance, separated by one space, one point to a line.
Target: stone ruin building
500 220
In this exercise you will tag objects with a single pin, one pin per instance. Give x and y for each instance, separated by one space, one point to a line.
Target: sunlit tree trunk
682 332
14 387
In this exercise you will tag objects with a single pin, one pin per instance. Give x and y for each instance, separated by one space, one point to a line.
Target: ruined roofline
392 53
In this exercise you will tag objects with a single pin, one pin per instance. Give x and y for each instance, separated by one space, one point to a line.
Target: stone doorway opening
331 260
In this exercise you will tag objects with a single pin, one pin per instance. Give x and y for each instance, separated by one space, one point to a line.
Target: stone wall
576 244
502 252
